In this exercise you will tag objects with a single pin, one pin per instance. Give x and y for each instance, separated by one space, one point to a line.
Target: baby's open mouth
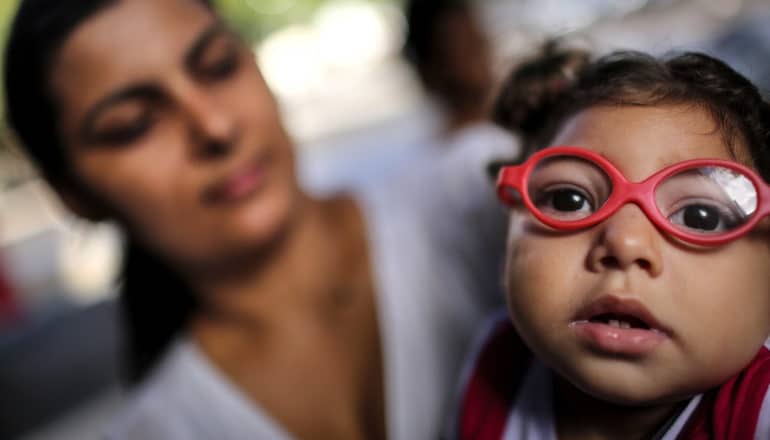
619 326
623 313
620 321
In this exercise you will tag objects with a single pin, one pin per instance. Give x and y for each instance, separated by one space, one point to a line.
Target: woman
253 310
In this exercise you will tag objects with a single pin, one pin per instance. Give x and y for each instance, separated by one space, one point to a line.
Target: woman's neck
583 417
304 323
304 271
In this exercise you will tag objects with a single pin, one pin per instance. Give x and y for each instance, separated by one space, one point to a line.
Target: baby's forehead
642 139
738 147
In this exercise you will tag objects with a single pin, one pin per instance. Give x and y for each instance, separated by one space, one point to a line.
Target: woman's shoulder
185 397
148 419
152 409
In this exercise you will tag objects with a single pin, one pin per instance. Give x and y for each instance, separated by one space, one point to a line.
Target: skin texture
171 130
714 303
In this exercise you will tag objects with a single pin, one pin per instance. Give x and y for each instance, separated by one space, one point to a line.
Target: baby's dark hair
543 92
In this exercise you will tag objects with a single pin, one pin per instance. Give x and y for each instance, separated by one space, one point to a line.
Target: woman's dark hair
155 303
542 93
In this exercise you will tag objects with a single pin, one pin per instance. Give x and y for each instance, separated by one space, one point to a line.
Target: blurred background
356 108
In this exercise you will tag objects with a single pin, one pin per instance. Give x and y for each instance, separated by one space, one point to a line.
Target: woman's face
169 126
623 311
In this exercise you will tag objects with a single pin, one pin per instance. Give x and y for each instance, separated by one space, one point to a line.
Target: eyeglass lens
699 200
706 200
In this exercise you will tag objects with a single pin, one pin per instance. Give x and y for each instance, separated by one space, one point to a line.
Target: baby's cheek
722 310
535 277
532 291
521 265
538 262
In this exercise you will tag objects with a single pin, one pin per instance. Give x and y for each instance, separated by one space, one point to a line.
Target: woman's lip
237 185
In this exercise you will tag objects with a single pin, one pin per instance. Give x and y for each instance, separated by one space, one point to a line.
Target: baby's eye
704 217
565 202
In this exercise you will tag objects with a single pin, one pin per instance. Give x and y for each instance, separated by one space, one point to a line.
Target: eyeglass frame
624 191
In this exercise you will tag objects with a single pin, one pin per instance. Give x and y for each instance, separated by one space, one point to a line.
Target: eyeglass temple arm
764 195
510 177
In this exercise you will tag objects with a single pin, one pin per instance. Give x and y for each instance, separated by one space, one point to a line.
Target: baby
638 255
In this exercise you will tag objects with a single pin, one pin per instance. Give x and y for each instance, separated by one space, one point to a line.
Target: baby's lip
626 312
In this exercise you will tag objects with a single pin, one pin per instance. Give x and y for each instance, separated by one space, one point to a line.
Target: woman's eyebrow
195 52
137 91
149 91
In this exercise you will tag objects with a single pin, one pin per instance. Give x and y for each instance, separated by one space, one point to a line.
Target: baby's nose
627 239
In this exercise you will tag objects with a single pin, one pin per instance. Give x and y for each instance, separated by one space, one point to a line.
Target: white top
436 239
531 416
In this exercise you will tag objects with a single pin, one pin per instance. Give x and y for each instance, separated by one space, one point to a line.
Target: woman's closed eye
123 117
123 124
219 60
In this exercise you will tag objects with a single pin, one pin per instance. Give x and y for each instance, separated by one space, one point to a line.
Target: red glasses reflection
701 201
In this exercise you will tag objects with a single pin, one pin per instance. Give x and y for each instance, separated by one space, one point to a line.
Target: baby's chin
621 391
626 385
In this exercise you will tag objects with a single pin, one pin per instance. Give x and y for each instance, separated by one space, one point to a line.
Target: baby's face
623 311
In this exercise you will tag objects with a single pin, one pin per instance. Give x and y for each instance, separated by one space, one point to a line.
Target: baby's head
662 294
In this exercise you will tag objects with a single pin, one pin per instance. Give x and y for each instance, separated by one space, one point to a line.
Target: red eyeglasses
701 201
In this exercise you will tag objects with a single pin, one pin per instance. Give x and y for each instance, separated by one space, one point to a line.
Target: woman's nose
627 239
212 128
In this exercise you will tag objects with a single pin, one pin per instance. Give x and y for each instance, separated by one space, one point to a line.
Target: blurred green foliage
256 18
7 9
